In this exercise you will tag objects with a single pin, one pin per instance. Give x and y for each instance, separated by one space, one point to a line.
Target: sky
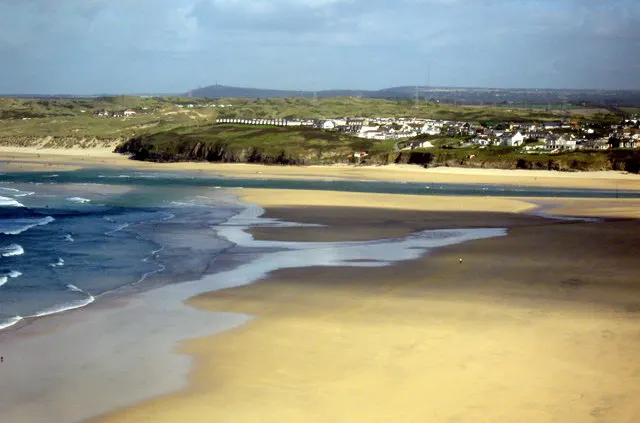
171 46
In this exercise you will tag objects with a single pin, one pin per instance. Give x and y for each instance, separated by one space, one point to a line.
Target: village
412 133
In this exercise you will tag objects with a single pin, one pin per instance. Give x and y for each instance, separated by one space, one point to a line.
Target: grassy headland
302 146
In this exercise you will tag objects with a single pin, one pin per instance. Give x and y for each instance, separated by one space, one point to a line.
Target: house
363 130
622 143
430 129
481 141
128 112
536 146
601 144
552 125
513 140
563 143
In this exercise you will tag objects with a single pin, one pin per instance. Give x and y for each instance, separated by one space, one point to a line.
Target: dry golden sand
540 326
31 159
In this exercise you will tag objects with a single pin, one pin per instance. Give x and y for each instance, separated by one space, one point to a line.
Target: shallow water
128 177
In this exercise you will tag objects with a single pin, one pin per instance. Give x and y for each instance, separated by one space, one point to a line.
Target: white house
430 129
561 143
327 124
129 113
514 140
366 129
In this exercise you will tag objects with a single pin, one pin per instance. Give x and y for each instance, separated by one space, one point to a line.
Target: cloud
334 43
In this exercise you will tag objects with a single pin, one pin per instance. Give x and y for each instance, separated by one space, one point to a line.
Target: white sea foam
71 305
68 238
78 200
55 175
9 202
9 322
3 280
17 226
15 192
58 263
14 274
11 250
74 288
117 229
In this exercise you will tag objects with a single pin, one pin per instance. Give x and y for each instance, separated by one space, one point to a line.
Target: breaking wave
17 226
11 250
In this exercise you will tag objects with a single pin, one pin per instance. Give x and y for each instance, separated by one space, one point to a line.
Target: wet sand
542 325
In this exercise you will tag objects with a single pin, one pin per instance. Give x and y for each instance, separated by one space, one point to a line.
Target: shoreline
17 159
178 300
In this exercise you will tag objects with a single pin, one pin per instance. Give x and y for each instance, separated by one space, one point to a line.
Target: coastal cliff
280 146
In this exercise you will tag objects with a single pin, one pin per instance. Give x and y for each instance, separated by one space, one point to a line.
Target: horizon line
186 93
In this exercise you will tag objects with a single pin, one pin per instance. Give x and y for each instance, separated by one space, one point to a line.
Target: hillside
288 146
246 144
461 95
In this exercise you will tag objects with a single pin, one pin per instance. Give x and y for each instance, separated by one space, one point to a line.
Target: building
513 140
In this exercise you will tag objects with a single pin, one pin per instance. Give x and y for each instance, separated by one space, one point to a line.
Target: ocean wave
74 288
11 250
59 263
68 238
15 192
55 175
10 274
17 226
9 202
69 305
9 322
78 200
117 229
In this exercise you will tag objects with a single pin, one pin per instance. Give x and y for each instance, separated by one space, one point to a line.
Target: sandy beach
538 326
13 159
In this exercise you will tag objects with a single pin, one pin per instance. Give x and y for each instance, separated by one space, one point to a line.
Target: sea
70 239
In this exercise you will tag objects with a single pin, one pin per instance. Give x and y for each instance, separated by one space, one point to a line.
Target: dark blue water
63 246
194 180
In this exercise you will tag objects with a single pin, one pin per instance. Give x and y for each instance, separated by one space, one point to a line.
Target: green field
252 144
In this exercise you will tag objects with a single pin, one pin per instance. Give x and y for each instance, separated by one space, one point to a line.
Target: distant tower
315 97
